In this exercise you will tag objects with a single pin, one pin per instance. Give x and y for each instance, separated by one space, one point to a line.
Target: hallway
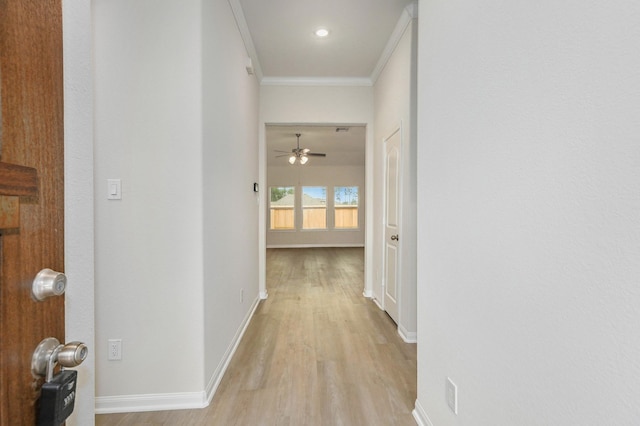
315 353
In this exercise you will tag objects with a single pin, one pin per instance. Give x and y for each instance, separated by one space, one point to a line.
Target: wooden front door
31 193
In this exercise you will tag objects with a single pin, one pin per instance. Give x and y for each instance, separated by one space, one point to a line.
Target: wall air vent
342 129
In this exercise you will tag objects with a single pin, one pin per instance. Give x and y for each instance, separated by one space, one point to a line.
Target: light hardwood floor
316 353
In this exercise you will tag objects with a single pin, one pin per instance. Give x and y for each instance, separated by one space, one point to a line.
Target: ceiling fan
300 155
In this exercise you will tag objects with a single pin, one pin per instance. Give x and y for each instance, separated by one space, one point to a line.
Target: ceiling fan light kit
299 155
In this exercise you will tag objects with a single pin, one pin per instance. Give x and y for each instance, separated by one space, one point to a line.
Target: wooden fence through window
283 218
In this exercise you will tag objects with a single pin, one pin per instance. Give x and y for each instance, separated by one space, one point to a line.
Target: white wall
395 109
529 230
314 105
149 256
230 166
78 169
329 177
174 112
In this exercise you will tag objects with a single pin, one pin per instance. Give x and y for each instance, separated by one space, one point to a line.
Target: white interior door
392 224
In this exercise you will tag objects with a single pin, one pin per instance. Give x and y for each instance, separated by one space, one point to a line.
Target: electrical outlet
452 396
115 350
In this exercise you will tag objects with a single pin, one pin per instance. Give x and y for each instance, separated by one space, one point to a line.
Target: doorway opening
315 186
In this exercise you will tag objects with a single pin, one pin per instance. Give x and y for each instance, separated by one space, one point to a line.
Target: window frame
336 208
303 208
293 209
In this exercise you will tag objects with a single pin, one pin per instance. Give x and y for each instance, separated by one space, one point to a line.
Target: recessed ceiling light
322 32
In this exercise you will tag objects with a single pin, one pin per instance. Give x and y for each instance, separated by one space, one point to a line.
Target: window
314 207
284 212
281 207
346 207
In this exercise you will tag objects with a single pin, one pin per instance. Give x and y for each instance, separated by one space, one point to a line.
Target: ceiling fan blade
298 152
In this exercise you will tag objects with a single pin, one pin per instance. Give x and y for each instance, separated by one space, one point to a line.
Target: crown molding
412 10
316 81
241 22
408 14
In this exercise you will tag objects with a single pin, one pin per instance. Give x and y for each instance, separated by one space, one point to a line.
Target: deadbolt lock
48 283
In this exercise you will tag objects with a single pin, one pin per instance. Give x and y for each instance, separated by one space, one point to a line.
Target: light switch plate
114 189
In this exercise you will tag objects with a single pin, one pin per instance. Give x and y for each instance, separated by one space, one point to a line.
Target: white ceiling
282 32
342 148
279 36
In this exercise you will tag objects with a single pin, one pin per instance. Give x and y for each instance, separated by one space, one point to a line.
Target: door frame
368 197
77 36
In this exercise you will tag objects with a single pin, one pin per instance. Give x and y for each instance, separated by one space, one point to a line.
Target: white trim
79 218
412 10
408 14
150 402
407 336
263 208
216 378
264 295
377 302
177 401
369 180
420 415
241 22
313 245
316 81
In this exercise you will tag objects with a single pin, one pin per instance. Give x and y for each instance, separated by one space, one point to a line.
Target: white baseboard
407 336
214 382
377 302
420 415
264 295
150 402
175 401
313 245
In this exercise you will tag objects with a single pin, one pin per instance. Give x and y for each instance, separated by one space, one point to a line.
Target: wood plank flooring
316 353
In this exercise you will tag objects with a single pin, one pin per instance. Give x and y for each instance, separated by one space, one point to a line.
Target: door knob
50 352
48 283
395 238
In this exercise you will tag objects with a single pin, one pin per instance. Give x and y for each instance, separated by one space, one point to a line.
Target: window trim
358 226
325 207
329 207
293 208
